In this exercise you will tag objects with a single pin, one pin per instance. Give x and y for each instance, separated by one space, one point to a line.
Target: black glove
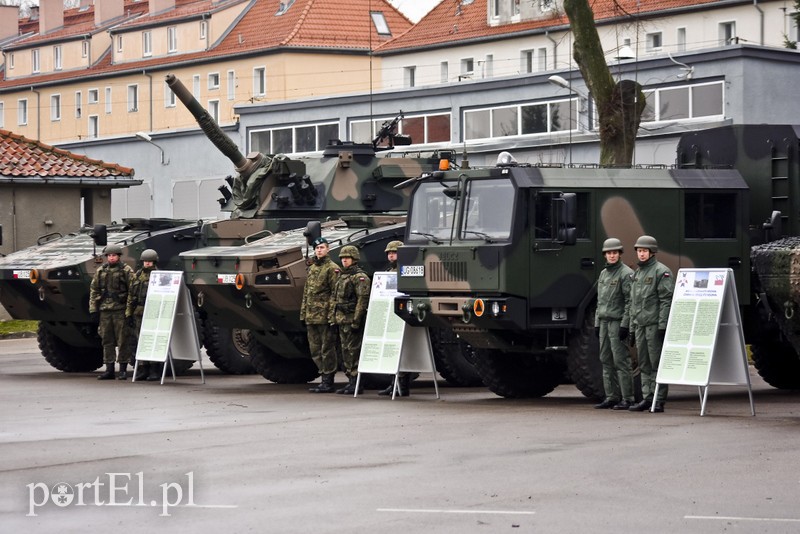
623 333
597 332
95 317
129 321
661 335
632 339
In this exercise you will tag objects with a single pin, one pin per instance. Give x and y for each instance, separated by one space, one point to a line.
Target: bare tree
619 104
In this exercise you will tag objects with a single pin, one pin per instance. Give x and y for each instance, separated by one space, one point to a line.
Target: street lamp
146 137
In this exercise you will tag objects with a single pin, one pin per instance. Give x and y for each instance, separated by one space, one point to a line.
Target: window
203 29
523 119
432 212
119 43
22 112
487 212
147 44
727 34
55 107
94 126
488 66
231 85
515 8
444 75
35 60
11 61
526 61
547 217
169 96
78 104
434 128
494 8
684 102
541 59
260 81
133 98
2 115
409 76
57 57
93 96
547 5
85 49
681 39
196 86
213 110
172 39
710 215
467 67
108 100
381 26
653 42
213 80
293 139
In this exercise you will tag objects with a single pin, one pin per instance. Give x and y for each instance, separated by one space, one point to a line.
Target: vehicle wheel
276 368
227 348
777 362
65 357
517 375
454 358
583 360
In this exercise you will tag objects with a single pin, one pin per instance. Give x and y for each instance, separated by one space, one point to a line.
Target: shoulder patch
666 275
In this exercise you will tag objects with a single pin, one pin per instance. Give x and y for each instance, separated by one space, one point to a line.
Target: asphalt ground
240 454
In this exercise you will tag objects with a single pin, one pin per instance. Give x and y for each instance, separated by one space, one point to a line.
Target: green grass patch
17 327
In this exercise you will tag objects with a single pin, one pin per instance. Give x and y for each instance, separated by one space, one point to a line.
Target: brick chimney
157 6
51 15
106 10
9 21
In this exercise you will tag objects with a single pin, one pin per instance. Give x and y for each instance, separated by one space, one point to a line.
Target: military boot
405 385
388 390
142 371
350 388
123 371
325 384
155 372
109 374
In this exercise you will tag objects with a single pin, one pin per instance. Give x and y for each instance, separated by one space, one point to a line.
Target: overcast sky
415 9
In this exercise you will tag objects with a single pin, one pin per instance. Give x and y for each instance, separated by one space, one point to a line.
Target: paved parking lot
241 454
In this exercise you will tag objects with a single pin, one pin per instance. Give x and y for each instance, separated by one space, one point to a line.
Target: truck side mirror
567 215
99 235
312 232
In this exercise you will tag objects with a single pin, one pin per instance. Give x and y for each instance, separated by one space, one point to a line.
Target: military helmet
112 249
612 243
647 241
149 255
350 251
393 246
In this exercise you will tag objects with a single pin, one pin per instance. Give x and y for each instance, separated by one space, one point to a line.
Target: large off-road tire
276 368
227 348
516 375
777 362
65 357
583 360
454 358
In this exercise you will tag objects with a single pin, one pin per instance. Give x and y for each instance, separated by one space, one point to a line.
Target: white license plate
226 278
22 275
412 270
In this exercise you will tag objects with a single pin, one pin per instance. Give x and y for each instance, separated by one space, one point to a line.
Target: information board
704 343
390 345
169 330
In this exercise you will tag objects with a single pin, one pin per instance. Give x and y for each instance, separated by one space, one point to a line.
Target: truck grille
447 271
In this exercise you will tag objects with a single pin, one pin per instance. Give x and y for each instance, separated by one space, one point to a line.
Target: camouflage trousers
351 347
321 341
114 334
616 361
648 345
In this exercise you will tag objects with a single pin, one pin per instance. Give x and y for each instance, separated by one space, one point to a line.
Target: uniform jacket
614 293
350 297
651 294
109 288
137 293
316 305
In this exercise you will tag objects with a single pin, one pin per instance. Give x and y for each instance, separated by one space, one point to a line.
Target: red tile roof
23 157
183 9
453 22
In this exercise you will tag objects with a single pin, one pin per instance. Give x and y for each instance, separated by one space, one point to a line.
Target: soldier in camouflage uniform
108 295
403 379
651 297
315 310
349 312
611 326
134 311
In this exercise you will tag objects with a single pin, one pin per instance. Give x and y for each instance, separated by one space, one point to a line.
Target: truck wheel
278 369
516 375
454 359
777 362
583 360
65 357
227 348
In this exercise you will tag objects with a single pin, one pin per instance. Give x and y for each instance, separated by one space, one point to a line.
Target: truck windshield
432 212
488 210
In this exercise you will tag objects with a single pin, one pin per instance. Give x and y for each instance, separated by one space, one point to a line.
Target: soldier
108 296
651 297
315 311
404 381
135 311
349 311
611 326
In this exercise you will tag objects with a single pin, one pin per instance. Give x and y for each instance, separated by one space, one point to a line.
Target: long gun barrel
244 166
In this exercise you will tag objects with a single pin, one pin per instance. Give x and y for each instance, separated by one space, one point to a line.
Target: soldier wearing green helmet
134 311
349 311
108 296
404 380
651 297
611 327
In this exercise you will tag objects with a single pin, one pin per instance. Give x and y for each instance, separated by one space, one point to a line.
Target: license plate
226 278
412 270
22 275
559 314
